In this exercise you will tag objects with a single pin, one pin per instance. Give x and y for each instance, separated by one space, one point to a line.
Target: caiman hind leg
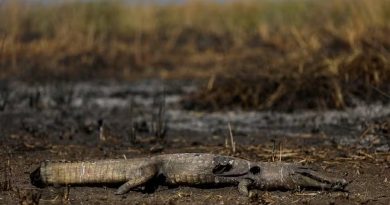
137 178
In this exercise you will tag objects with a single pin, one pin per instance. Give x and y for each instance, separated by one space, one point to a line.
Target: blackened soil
99 120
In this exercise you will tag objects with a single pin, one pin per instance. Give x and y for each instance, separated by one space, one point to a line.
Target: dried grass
285 53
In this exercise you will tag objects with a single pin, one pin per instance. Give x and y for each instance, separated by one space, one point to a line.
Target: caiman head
275 175
267 175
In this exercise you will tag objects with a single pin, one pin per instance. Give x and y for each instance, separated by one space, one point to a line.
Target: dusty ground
56 122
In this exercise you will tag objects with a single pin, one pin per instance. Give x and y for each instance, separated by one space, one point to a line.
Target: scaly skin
186 168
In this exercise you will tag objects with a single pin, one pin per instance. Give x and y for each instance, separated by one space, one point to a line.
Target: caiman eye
254 170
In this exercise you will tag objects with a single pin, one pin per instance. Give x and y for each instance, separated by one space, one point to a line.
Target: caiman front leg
243 186
137 178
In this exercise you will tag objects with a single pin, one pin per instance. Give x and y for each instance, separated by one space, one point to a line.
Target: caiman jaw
306 177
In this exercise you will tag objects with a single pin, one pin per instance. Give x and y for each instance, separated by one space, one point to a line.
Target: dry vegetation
256 54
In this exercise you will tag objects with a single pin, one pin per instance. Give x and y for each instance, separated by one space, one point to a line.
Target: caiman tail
61 173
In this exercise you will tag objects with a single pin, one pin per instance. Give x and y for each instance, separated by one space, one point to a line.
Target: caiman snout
293 176
306 177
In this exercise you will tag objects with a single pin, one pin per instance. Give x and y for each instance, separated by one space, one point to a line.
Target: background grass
329 52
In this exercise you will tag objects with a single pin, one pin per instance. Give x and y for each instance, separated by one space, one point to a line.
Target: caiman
186 169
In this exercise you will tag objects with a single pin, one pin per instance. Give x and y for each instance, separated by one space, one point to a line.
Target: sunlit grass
342 39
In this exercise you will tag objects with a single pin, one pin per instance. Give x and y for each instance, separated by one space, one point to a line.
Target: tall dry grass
281 41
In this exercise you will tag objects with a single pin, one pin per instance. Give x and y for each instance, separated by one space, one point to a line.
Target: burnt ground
97 120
